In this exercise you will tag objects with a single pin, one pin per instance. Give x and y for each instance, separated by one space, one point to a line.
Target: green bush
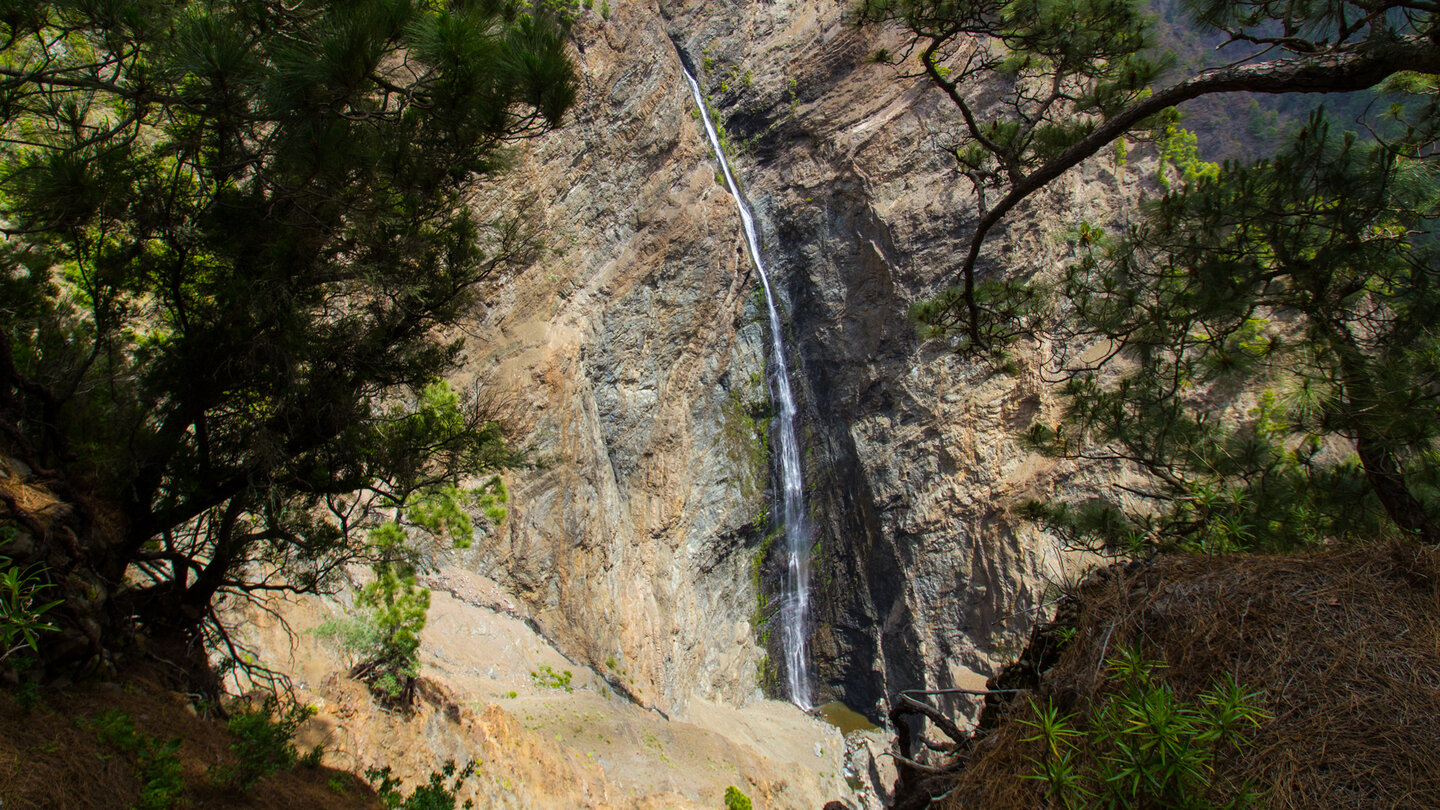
735 799
264 743
21 611
433 795
156 762
1143 746
547 678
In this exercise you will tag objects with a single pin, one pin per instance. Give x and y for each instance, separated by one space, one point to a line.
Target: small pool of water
844 718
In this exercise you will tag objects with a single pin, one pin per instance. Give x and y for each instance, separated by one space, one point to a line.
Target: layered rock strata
632 358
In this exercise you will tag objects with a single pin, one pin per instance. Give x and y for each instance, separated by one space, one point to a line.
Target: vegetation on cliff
236 233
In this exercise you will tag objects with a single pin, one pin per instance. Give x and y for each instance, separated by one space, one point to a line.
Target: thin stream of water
795 596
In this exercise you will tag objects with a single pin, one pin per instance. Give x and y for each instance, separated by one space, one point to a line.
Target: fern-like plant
1142 745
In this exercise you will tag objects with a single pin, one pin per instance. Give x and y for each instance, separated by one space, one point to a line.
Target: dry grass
1343 645
51 757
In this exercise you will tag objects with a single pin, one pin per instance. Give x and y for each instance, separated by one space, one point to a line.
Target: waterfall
795 596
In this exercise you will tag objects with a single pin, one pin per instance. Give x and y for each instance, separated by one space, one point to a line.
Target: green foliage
1017 306
21 611
1045 49
264 743
767 675
764 612
384 639
357 637
1143 746
29 696
1268 318
1120 152
1064 78
1065 635
396 613
236 234
436 794
546 678
745 431
1181 149
156 762
735 799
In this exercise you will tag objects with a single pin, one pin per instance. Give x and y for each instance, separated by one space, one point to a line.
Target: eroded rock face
632 357
619 352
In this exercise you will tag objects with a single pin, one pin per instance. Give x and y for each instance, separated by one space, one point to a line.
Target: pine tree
235 232
1266 333
1065 78
1272 354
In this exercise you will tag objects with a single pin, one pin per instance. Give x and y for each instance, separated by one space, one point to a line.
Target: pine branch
1365 65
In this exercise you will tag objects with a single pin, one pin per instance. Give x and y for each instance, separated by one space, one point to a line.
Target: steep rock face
632 357
619 352
909 459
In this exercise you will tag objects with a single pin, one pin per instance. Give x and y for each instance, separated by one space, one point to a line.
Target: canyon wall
631 359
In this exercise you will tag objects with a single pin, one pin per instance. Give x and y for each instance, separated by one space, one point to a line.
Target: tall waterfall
795 598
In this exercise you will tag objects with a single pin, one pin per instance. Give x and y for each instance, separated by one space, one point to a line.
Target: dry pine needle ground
1344 647
52 758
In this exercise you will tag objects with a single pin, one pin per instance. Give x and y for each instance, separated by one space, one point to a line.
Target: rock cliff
631 357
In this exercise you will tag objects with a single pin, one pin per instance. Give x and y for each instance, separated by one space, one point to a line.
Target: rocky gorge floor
548 732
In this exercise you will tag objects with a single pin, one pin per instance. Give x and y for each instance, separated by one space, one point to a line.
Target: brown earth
537 742
52 756
1342 647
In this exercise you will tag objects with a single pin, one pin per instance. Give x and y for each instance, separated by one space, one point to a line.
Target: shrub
264 743
21 611
156 762
735 799
547 678
1143 746
433 795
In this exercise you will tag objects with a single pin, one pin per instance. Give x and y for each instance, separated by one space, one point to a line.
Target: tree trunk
1377 455
1382 470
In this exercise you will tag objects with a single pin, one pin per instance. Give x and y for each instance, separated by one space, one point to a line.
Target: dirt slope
1343 648
55 756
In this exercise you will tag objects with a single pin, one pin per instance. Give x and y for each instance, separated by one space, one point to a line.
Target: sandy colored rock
626 353
484 695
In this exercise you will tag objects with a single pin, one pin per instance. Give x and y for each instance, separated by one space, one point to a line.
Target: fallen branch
939 718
